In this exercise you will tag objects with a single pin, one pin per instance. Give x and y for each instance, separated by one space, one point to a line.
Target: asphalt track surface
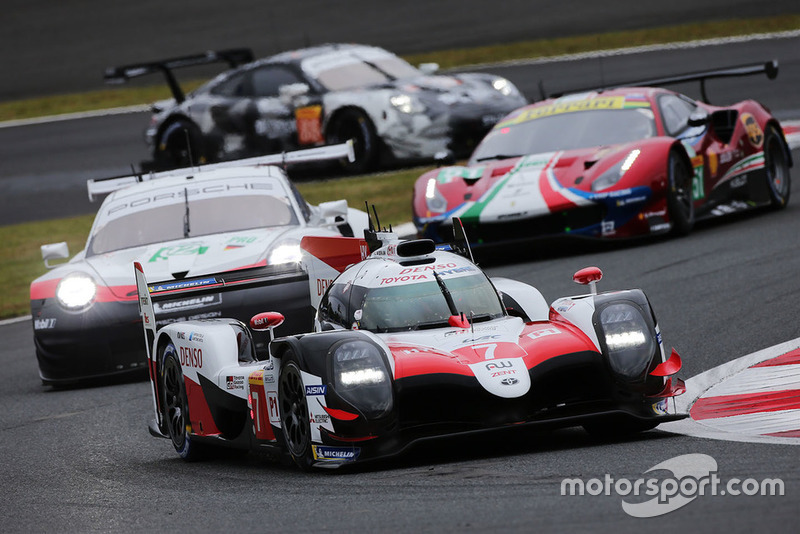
82 460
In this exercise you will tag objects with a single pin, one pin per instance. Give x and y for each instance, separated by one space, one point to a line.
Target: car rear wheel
354 124
293 407
776 165
176 406
679 194
180 145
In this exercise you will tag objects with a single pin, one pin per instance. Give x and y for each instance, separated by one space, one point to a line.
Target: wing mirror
329 211
698 118
590 276
290 92
267 321
54 251
429 68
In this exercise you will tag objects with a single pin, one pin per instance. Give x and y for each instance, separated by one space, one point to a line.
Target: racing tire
176 407
180 145
617 429
776 165
354 124
680 203
293 408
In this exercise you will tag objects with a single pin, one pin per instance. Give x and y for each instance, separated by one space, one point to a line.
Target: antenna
186 229
377 220
371 226
188 147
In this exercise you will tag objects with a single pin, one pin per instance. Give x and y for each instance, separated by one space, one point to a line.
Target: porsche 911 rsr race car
616 163
409 343
392 110
241 219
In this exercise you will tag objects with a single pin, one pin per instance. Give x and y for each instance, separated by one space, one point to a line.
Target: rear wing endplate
233 57
102 186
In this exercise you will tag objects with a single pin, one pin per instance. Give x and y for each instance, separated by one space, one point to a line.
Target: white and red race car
410 343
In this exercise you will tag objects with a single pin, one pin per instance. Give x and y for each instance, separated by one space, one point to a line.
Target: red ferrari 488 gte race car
409 343
616 163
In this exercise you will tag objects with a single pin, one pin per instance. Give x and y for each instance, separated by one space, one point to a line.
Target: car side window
675 111
266 81
232 87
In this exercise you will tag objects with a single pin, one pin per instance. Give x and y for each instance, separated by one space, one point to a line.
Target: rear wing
770 68
233 57
102 186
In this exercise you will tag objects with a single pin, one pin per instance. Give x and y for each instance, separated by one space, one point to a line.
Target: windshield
359 69
566 131
424 305
209 215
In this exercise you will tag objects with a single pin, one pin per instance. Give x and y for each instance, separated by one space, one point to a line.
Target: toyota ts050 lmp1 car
336 92
409 343
617 163
241 219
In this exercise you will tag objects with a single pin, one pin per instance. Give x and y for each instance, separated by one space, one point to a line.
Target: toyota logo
509 381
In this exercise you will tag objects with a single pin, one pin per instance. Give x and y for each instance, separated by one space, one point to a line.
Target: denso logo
438 267
322 285
316 390
191 357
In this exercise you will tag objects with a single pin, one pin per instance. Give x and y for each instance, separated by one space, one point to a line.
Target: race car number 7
489 354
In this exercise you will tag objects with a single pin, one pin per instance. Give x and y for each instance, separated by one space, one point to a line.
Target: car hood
189 257
522 187
498 353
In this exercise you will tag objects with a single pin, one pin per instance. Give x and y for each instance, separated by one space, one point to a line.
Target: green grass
128 96
21 259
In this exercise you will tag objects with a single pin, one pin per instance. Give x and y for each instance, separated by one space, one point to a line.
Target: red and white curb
755 398
791 131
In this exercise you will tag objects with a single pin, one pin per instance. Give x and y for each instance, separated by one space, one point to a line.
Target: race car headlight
285 253
615 172
628 340
361 377
505 87
76 291
434 198
406 103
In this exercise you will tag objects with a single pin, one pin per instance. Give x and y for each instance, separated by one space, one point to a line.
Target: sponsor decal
234 382
309 125
196 336
565 306
543 332
44 324
662 227
510 381
449 174
698 185
316 390
256 378
172 286
322 285
335 453
171 197
191 357
754 132
319 419
187 249
181 335
187 304
660 407
713 163
498 364
608 227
